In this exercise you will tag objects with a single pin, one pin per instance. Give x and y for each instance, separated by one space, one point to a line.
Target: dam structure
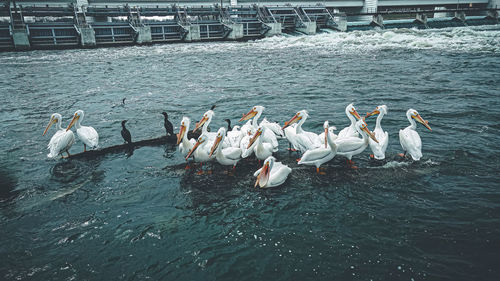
26 25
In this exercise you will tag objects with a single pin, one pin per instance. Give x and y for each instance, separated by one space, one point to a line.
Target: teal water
139 215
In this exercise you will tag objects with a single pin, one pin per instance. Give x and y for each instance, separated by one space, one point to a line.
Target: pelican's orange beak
370 134
76 117
199 124
51 122
326 137
181 133
422 121
263 176
355 113
294 119
193 149
249 115
216 144
254 138
374 112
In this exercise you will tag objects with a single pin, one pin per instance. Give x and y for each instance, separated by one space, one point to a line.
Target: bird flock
229 146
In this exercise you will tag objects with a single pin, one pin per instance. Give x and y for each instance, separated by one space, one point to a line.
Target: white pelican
226 156
272 173
200 151
302 140
331 132
261 149
205 121
379 148
273 126
86 134
62 140
320 155
184 144
269 135
245 140
234 136
409 138
350 131
350 146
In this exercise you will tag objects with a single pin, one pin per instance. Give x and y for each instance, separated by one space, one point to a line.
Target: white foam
395 164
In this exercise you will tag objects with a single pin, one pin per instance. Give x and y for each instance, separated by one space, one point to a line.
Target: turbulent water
138 214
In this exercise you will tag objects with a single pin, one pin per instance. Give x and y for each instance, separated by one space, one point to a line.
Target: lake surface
139 215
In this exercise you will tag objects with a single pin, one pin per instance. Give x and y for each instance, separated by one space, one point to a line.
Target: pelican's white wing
411 142
318 155
274 127
234 136
62 143
233 153
348 132
304 143
278 174
348 144
243 145
88 136
379 148
269 137
313 138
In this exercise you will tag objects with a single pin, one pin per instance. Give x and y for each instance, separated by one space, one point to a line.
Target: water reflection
7 185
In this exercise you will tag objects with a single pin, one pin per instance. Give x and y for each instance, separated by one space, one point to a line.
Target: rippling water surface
140 215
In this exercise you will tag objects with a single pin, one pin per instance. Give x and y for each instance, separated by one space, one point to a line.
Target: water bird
350 146
255 114
228 124
350 131
234 136
200 151
127 137
62 140
303 140
272 173
226 156
409 138
261 149
319 156
86 134
184 144
169 128
378 148
204 123
331 132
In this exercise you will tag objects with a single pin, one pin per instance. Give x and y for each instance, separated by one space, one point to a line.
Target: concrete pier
460 16
193 33
309 28
87 37
21 39
236 31
377 21
492 14
143 24
275 29
421 19
143 35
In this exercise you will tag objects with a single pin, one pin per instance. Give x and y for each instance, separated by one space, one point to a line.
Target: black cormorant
126 133
228 124
168 125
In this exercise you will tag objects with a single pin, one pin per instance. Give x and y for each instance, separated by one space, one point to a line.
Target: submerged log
134 145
